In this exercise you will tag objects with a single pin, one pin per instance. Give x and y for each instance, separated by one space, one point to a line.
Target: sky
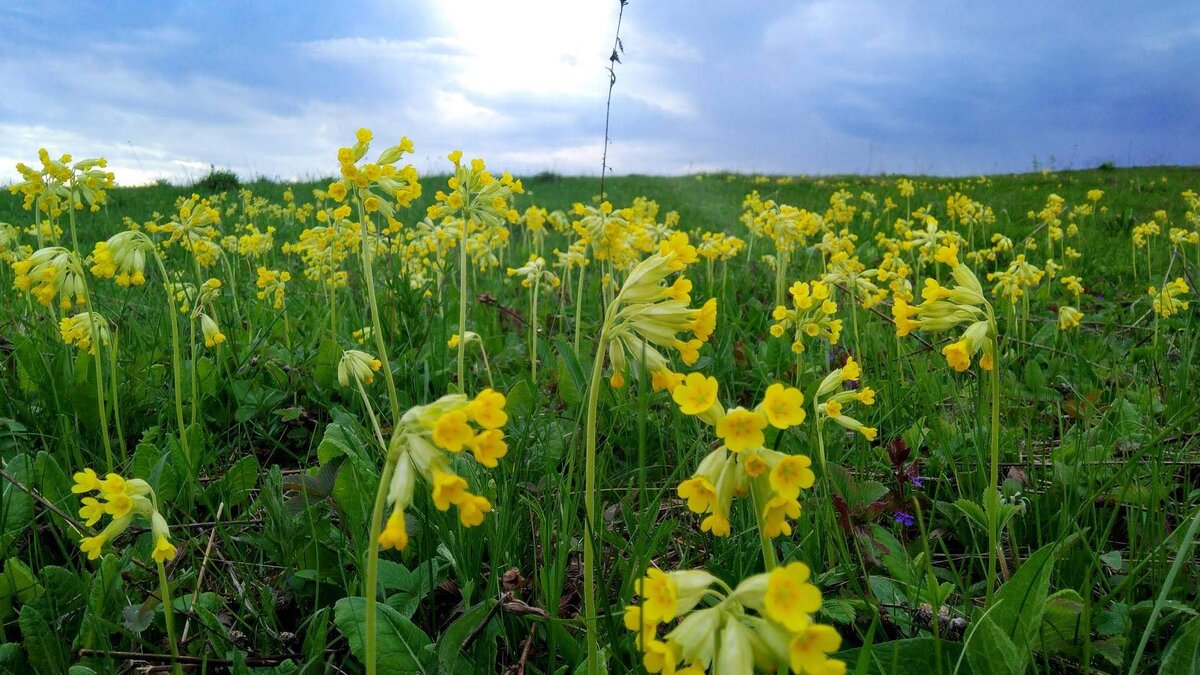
273 88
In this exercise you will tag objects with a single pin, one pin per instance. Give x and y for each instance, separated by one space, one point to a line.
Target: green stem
770 562
589 505
116 406
97 343
372 581
579 304
176 359
376 325
994 457
533 324
169 616
462 304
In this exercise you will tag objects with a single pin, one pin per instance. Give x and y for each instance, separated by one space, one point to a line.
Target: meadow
717 423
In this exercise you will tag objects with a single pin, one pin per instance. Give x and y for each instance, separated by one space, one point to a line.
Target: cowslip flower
810 316
743 457
946 308
648 314
832 406
426 444
123 500
84 330
1167 301
766 623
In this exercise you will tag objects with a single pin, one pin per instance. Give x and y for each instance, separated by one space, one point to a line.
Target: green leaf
236 485
325 370
17 583
1019 604
450 646
401 647
45 650
1183 654
989 650
103 600
16 506
915 656
1060 623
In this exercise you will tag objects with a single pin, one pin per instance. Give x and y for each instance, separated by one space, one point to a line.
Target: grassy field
1060 539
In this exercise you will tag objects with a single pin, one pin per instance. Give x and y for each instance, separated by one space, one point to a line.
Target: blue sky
273 88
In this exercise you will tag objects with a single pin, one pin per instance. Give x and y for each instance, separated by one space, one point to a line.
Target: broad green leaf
1183 654
989 649
1020 603
451 658
401 646
915 656
45 650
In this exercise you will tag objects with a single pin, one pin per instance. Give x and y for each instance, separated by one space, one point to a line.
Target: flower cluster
766 623
1167 301
368 181
534 272
743 459
272 283
426 443
122 256
477 195
833 407
84 330
357 365
49 272
648 313
811 315
945 308
199 304
123 500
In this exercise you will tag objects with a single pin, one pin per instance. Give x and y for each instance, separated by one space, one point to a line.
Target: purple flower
916 481
904 519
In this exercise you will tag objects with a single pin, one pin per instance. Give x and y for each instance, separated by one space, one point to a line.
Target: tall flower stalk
646 314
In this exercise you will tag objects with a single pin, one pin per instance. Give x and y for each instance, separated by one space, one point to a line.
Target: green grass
1097 446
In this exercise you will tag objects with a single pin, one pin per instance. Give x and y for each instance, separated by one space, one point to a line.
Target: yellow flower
488 409
742 429
957 355
810 647
833 408
776 514
717 524
696 394
665 379
699 492
448 488
792 474
784 406
851 371
659 594
91 511
118 505
488 446
451 431
790 598
471 510
85 481
395 533
163 550
92 546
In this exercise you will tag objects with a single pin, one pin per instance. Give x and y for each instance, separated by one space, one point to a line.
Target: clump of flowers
766 623
742 463
122 256
426 444
122 500
810 316
272 283
649 313
1168 300
945 308
50 272
832 406
84 330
